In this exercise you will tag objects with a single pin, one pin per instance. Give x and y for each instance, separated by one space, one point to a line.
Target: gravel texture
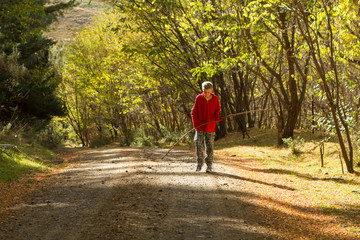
129 193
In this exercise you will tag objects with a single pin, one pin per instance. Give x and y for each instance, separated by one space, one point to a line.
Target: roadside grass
32 158
13 166
334 192
25 172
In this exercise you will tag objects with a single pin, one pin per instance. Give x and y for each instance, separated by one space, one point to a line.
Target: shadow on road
123 193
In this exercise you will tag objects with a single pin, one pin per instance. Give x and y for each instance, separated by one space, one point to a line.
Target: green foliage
32 156
170 137
13 166
33 144
109 88
100 141
142 139
165 137
295 144
27 79
141 67
57 133
97 80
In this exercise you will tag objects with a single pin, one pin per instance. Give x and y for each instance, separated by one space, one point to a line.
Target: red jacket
205 111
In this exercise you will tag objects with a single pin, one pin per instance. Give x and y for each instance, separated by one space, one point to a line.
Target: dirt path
127 193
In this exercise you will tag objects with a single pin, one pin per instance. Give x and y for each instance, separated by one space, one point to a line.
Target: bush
172 136
102 140
294 144
55 134
142 139
168 137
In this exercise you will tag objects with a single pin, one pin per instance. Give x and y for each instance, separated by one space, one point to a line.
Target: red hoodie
206 111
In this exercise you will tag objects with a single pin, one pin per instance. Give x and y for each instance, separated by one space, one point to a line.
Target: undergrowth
32 158
164 137
13 166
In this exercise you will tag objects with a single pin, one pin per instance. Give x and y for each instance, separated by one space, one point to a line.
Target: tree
317 26
268 26
186 43
109 88
27 79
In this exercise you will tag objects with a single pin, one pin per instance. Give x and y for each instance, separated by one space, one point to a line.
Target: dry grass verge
298 198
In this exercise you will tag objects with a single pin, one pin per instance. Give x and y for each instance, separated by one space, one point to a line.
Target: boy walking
206 109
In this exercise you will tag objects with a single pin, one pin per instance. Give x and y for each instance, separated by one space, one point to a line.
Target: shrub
142 139
102 140
294 144
55 133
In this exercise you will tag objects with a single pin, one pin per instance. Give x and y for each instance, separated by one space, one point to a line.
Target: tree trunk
221 130
290 123
314 45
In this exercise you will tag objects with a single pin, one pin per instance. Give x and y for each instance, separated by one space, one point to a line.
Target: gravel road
130 193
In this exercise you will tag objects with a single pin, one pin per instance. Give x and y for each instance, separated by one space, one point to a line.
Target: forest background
132 76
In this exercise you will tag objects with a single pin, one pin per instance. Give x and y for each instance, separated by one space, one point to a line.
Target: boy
206 109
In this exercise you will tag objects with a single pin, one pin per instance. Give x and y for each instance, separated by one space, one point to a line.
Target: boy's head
207 88
207 85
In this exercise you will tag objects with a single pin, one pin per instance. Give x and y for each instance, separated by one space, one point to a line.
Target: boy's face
207 92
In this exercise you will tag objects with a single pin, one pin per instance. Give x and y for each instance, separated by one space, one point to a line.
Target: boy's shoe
209 169
198 168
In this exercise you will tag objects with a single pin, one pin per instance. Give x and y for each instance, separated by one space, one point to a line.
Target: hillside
75 19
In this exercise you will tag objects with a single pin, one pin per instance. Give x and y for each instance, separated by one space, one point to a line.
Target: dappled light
128 192
107 108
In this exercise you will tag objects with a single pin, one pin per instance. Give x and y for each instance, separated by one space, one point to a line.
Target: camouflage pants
207 139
